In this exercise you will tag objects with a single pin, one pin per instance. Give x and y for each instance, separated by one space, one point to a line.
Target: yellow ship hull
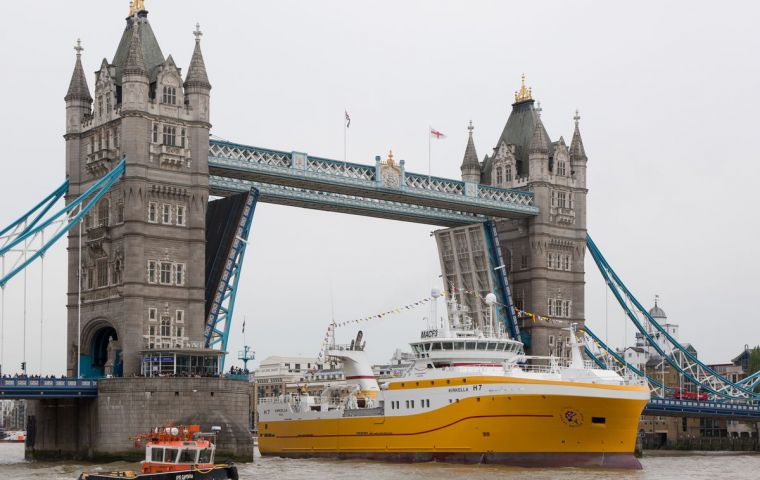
525 430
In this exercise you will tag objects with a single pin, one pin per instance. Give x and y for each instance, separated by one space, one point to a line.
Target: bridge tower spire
470 165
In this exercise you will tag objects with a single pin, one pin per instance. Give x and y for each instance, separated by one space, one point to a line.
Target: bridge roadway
42 388
380 190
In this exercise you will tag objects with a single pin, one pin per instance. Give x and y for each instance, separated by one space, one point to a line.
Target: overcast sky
668 95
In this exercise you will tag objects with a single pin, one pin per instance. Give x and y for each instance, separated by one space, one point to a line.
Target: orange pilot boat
175 452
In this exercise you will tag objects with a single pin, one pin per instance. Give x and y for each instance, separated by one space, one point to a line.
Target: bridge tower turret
143 248
78 108
470 165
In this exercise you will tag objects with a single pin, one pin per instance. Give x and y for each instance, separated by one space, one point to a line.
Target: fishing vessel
471 396
175 453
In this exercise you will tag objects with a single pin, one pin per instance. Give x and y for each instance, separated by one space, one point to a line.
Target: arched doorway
99 347
101 352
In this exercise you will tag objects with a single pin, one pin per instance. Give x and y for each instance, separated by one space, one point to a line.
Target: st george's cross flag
436 134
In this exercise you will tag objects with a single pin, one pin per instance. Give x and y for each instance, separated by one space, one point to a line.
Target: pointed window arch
104 213
508 173
499 176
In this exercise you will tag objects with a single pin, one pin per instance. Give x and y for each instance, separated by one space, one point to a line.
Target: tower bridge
154 264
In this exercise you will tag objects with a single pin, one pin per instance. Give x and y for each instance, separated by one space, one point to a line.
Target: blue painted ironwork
220 315
42 388
703 408
499 273
294 169
70 215
619 359
751 381
693 369
309 198
38 211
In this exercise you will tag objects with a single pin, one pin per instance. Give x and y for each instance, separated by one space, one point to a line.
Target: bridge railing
48 382
297 164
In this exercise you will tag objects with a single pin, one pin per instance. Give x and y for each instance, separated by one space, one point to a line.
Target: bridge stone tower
143 247
544 255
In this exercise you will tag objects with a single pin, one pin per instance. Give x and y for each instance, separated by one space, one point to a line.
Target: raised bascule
154 262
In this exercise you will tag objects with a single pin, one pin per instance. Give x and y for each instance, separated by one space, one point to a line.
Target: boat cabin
187 453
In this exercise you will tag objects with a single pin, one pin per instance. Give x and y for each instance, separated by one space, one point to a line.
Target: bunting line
518 312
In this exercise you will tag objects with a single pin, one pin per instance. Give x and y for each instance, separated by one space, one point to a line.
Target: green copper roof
151 51
518 132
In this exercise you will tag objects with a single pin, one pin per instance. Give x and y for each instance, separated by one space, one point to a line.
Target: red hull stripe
476 364
413 433
362 377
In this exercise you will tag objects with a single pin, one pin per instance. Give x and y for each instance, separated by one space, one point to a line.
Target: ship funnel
356 367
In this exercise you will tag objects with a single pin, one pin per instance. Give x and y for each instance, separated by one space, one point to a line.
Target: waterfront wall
100 429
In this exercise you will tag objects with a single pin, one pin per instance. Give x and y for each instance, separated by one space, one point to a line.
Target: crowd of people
24 376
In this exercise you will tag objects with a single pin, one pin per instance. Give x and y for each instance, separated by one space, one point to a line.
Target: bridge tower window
170 135
166 273
170 95
181 215
166 213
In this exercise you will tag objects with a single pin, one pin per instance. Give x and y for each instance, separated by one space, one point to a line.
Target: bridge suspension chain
669 349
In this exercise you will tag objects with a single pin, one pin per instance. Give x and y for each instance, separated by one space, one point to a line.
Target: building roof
657 312
196 73
470 159
577 152
518 131
539 142
151 57
78 89
276 360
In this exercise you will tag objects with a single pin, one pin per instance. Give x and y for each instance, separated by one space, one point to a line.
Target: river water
690 466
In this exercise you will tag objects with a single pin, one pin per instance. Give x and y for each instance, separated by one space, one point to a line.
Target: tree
753 364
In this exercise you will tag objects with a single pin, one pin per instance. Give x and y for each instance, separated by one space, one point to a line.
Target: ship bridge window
436 346
205 456
470 345
156 454
493 345
458 345
188 455
171 455
482 345
447 346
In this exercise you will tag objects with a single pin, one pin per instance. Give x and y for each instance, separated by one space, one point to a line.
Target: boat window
482 345
469 345
427 346
492 345
171 455
447 346
188 455
156 454
205 456
436 346
504 347
415 349
458 346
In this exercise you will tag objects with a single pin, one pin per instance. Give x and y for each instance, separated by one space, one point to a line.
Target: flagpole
429 143
345 136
